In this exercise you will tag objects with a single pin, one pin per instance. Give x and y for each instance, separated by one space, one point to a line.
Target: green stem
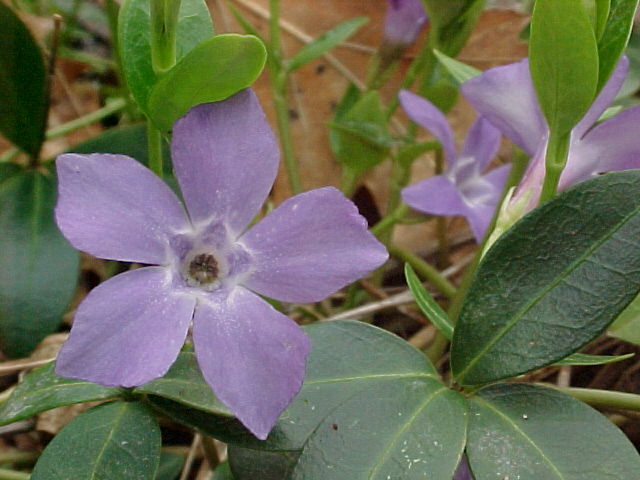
348 181
164 25
19 457
154 142
279 81
602 398
555 160
13 475
425 270
388 222
110 108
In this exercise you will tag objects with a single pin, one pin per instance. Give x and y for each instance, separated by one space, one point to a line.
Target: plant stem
602 398
555 160
415 69
154 143
16 456
110 108
425 270
388 222
13 475
164 25
279 81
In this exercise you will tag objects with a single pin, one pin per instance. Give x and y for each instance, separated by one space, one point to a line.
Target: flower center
203 269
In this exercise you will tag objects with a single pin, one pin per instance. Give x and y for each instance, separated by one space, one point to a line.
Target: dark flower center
204 269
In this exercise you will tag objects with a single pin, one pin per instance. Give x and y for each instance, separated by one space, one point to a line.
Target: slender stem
415 69
425 270
348 181
13 475
279 81
164 25
602 398
16 456
555 160
154 142
388 222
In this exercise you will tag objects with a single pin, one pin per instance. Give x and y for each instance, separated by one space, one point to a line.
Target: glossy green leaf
585 359
324 43
194 27
113 441
184 384
627 326
38 268
409 429
43 390
452 21
563 56
23 102
248 464
361 139
213 71
615 37
461 72
375 357
603 7
553 282
531 433
427 304
170 466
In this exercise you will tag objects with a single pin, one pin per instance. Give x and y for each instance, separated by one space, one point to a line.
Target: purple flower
462 189
404 21
505 96
130 329
463 472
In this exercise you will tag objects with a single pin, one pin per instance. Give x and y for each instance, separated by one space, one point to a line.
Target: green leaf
584 359
324 43
43 390
532 433
361 138
184 384
113 441
627 326
427 304
213 71
23 101
194 27
407 429
452 22
38 268
461 72
375 357
349 99
616 35
603 7
553 282
248 464
563 55
170 466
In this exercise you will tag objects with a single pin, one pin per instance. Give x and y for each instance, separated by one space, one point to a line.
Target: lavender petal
437 195
425 114
482 143
113 207
505 96
312 245
251 355
128 331
226 158
404 20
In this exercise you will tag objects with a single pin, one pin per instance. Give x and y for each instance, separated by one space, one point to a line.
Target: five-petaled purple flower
462 189
130 329
505 96
403 21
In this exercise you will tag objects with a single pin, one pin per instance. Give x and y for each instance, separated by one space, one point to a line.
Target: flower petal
436 195
113 207
610 146
312 245
482 143
251 355
128 331
403 21
425 114
482 200
505 96
226 158
604 98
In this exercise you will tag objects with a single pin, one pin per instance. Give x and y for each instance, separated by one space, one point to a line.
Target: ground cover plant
178 302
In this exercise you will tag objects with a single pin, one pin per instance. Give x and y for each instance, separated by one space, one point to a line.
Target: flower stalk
555 161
